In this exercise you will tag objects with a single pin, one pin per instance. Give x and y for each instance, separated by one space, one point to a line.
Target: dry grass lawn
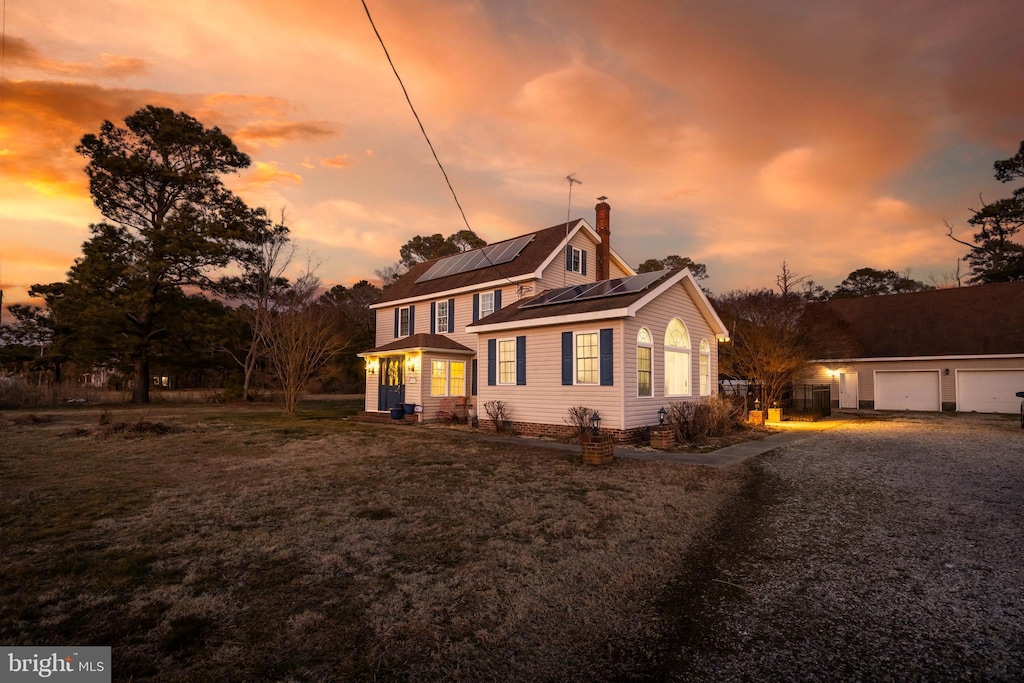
234 543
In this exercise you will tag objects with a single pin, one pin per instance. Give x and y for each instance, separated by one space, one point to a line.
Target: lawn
234 543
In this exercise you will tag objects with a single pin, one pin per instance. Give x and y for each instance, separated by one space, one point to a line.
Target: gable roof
520 314
545 246
980 320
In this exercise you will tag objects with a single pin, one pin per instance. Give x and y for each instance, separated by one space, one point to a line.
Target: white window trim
408 319
705 353
483 311
575 260
644 345
447 377
465 378
438 327
497 361
576 358
687 352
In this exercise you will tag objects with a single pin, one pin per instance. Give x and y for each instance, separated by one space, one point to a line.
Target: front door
392 383
849 395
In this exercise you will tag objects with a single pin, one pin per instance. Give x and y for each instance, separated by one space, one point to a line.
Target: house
544 322
956 349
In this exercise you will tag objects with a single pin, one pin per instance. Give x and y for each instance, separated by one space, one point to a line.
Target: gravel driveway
886 549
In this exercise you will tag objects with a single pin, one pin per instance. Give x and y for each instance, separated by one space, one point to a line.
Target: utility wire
409 100
425 136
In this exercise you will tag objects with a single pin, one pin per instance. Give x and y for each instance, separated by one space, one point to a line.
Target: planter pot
409 408
397 413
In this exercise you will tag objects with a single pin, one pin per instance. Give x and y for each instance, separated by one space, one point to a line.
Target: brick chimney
604 231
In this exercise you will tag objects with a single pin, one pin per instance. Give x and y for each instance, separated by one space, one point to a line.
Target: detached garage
907 390
989 391
944 349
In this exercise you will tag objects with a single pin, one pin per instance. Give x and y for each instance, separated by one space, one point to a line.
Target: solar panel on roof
491 255
597 290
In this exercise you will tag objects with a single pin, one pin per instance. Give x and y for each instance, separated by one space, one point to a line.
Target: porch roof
420 342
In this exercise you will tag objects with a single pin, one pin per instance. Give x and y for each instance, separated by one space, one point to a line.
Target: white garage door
989 391
917 390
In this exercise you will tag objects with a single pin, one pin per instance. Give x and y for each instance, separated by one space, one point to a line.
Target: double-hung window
447 378
441 316
506 361
586 358
644 362
486 303
403 322
575 259
439 378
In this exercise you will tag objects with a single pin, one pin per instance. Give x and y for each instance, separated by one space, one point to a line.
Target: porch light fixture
661 416
595 423
371 366
410 364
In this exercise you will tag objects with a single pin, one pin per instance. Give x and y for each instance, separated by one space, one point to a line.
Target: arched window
644 362
705 368
677 359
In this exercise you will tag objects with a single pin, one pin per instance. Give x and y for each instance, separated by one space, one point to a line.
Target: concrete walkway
791 433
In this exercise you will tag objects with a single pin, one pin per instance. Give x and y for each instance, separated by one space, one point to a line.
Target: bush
696 421
579 419
499 414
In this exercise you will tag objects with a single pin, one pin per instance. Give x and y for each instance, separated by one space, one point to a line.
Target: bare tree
768 347
787 281
300 336
261 283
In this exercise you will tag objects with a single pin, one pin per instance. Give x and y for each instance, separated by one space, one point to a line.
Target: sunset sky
832 135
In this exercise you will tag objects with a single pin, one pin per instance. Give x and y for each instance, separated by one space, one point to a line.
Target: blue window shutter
567 359
568 257
451 315
497 300
492 362
476 307
607 356
583 263
396 323
412 320
521 360
472 380
433 317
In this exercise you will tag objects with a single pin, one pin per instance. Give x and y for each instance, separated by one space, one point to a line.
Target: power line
424 131
409 100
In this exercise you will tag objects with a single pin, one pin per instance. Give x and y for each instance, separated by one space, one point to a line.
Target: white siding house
544 322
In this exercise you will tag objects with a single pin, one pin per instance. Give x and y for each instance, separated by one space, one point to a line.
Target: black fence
812 400
807 400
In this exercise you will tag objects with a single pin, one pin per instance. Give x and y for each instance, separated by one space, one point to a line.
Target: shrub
499 414
695 421
16 393
579 419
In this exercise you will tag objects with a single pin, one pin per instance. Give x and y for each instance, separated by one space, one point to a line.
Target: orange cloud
277 133
268 173
339 161
23 54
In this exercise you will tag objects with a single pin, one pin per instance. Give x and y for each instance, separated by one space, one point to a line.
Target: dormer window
575 260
